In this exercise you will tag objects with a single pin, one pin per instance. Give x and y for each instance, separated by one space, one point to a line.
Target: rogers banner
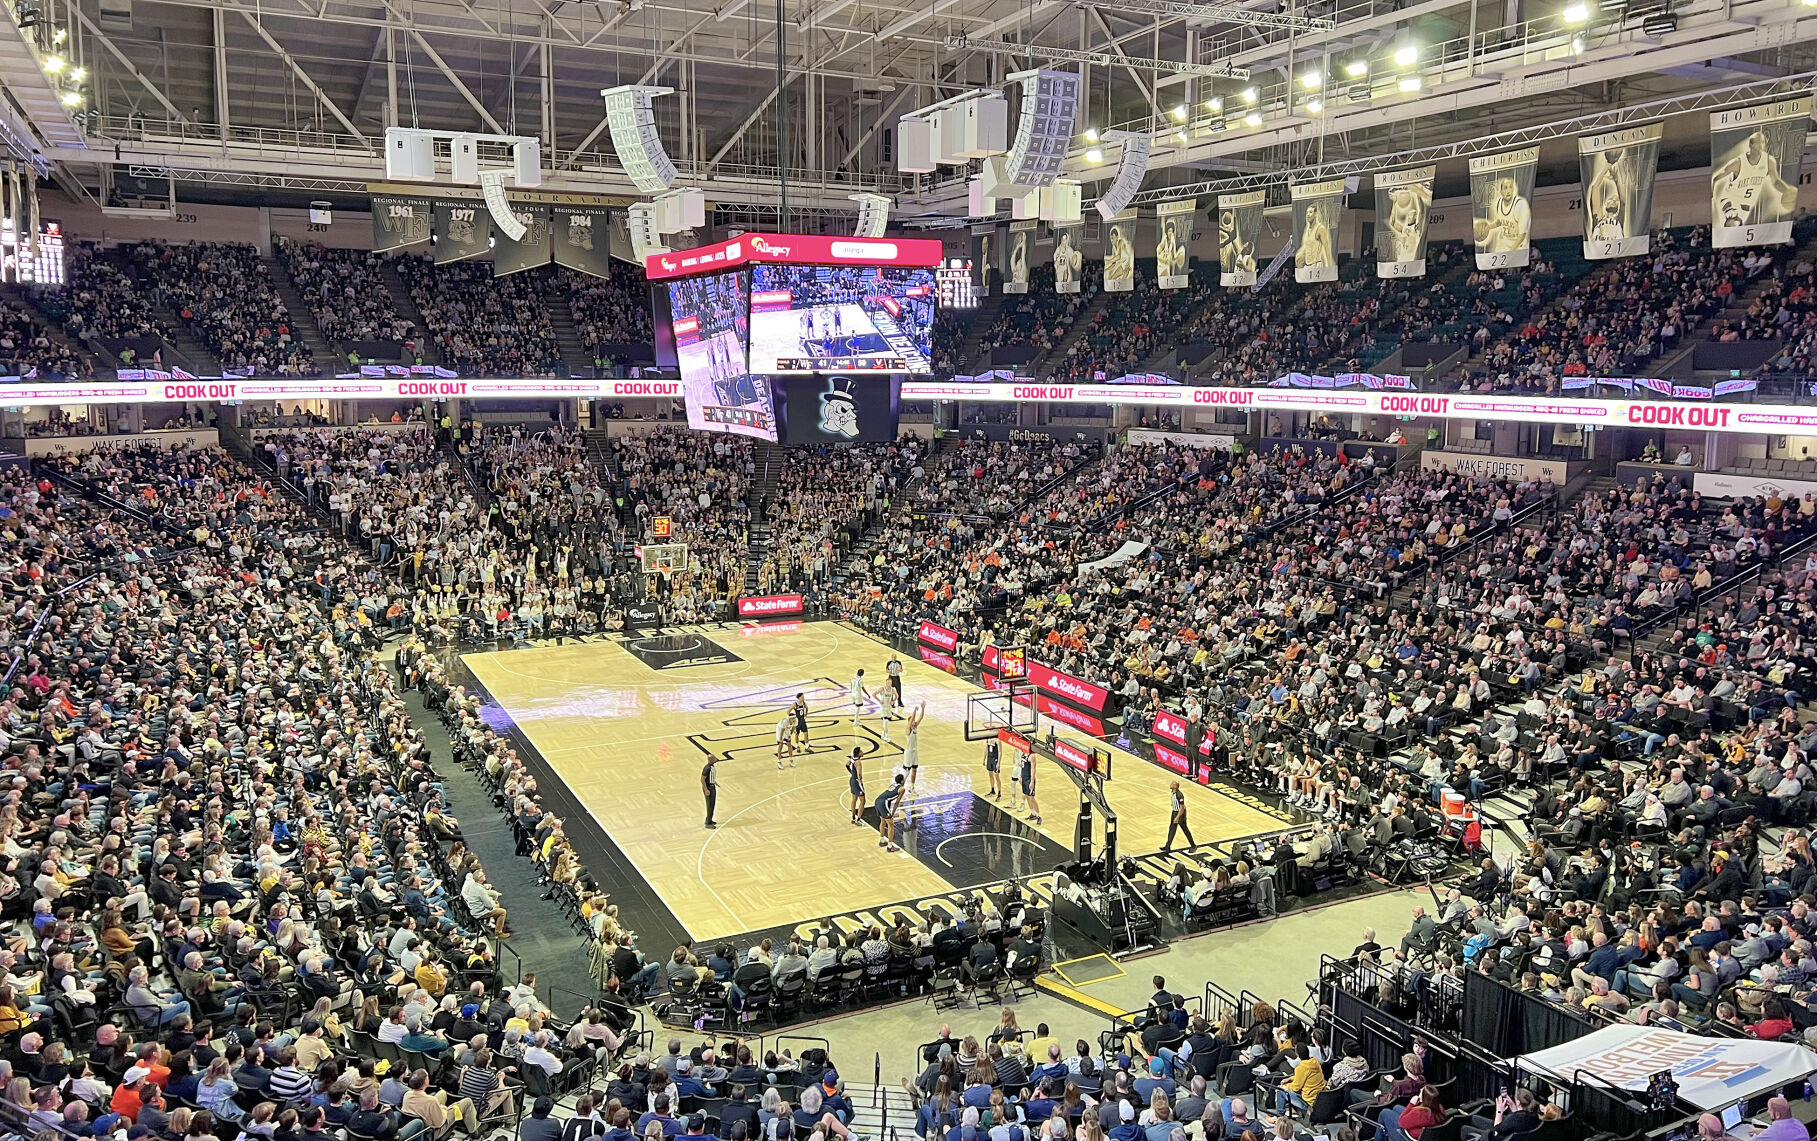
939 636
1050 680
768 605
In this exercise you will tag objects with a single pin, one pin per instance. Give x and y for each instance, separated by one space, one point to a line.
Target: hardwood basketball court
627 723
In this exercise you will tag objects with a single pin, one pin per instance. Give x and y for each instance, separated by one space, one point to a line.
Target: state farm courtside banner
1317 208
1051 681
1755 155
984 248
582 239
399 222
1501 207
938 636
1239 229
1017 253
1173 237
462 230
1402 198
1069 257
529 251
769 605
1120 253
1618 169
1711 1072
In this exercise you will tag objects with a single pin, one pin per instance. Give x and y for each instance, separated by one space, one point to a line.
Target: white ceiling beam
296 69
441 64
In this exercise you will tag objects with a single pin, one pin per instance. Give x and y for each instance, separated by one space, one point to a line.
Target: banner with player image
1317 209
581 236
1173 240
1618 169
1755 156
1402 198
1239 229
1069 257
1120 253
1501 207
1017 252
984 250
462 230
399 222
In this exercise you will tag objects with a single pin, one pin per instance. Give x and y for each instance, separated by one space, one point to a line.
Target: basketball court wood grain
629 724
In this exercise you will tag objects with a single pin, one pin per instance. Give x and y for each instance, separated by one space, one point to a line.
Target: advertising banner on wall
1501 207
1755 157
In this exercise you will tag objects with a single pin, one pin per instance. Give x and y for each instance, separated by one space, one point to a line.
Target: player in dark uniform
800 712
854 771
993 767
886 814
1027 775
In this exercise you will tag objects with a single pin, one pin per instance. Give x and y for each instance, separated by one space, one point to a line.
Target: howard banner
1120 253
1402 199
1501 207
1239 229
1173 237
1618 169
1069 257
1317 209
984 248
1755 156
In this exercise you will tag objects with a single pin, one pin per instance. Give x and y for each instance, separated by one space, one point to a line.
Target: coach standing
709 787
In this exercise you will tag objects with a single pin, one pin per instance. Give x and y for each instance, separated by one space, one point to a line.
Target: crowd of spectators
346 293
485 325
102 300
225 294
820 504
609 311
30 350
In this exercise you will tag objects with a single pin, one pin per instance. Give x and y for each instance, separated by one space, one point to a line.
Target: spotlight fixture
58 36
53 64
1411 83
1577 42
1315 106
1249 95
1406 55
1094 155
1253 119
1180 135
77 75
1091 133
1216 103
1310 80
1661 23
72 99
1357 68
1576 13
1179 113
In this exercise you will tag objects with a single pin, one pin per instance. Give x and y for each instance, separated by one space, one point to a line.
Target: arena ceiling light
1311 80
1406 55
1315 106
1576 13
1357 68
1179 113
1214 104
1410 83
1091 133
1094 155
1253 119
1250 94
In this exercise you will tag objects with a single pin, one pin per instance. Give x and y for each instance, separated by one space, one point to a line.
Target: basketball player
1018 257
1121 264
893 670
1607 197
888 805
800 712
1067 260
854 772
1315 251
886 710
785 747
859 696
1027 774
993 765
1406 208
1747 189
1510 220
911 747
1238 256
1169 254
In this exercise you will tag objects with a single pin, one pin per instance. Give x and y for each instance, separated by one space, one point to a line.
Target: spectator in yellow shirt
1304 1087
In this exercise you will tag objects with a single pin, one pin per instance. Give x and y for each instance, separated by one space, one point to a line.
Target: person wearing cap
128 1097
1126 1128
686 1084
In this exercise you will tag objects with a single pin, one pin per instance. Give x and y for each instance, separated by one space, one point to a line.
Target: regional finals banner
1317 206
1120 253
1069 256
1755 156
1016 255
399 222
1617 169
1501 207
1239 229
1173 236
1401 201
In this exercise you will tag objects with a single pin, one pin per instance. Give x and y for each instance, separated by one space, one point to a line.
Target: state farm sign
937 635
769 605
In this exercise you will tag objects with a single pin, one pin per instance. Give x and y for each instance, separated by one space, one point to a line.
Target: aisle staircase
302 319
972 348
567 337
405 306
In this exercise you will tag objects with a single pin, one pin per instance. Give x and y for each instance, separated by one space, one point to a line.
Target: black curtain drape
1507 1023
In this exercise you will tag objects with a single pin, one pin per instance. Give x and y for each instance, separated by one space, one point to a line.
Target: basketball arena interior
985 570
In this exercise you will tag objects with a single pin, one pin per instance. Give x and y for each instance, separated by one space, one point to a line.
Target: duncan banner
1239 229
400 222
984 249
1069 257
582 237
1120 253
531 250
1317 209
1618 169
1501 207
1173 238
1017 252
1402 199
462 230
1755 157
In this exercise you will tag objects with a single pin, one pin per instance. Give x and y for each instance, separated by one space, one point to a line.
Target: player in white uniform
911 747
886 703
1510 221
859 696
785 739
1748 190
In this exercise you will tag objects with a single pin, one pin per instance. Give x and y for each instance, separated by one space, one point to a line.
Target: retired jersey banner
1173 238
1401 201
399 222
1501 207
1120 253
984 248
1618 169
462 230
1239 229
1317 207
1069 257
1755 155
1016 255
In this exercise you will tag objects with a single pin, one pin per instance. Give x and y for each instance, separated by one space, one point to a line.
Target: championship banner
1317 207
1120 253
462 230
1016 255
582 239
529 252
399 222
1173 238
1069 257
984 248
1501 207
1239 229
1402 198
1618 169
1755 156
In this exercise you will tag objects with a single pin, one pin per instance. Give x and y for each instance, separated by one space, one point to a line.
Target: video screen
841 319
712 325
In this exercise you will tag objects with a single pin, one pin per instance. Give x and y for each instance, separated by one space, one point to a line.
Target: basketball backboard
1012 708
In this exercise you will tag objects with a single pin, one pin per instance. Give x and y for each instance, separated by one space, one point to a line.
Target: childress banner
582 239
1051 681
768 605
1069 257
1711 1072
1755 155
1618 169
462 230
529 251
399 222
939 636
1016 254
984 248
1401 201
1317 207
1120 253
1173 237
1501 207
1239 229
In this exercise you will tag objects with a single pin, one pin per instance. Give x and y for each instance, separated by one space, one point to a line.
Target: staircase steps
405 305
1082 325
575 355
983 317
302 317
